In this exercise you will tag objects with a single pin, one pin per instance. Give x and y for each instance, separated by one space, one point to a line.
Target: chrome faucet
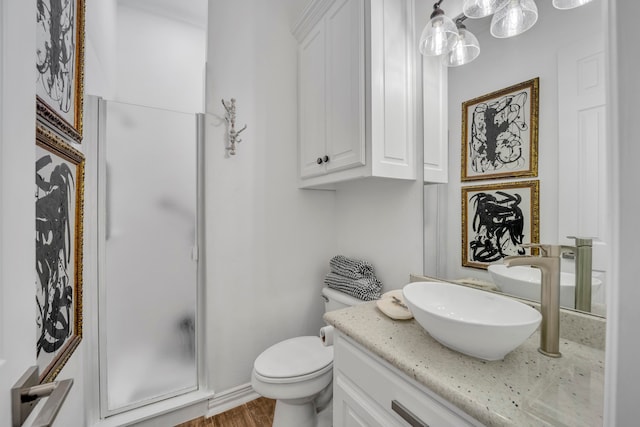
549 264
583 259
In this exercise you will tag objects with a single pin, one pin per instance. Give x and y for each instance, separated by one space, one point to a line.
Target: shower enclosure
149 275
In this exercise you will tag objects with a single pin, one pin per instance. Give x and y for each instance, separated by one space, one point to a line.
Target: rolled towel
366 289
350 267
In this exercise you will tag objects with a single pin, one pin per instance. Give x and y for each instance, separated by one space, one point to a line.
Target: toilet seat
294 360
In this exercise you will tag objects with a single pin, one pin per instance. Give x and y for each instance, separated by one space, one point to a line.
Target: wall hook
231 121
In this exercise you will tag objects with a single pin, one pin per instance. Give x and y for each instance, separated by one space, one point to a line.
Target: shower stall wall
148 288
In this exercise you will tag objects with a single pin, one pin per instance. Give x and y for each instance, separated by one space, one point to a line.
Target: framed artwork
59 197
497 219
60 64
500 133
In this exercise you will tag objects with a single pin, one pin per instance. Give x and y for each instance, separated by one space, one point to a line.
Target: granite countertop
524 389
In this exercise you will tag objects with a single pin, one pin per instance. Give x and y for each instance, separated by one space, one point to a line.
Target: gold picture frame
497 219
500 133
60 65
59 200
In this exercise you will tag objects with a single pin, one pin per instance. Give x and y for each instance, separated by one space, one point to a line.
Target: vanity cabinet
367 391
356 91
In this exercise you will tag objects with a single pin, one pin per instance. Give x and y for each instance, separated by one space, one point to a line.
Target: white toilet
298 373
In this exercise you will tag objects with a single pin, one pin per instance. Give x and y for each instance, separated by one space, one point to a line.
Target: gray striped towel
350 267
366 289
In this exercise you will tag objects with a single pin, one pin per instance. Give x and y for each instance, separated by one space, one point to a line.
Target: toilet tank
335 300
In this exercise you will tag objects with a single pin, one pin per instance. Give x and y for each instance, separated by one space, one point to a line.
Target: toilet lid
293 358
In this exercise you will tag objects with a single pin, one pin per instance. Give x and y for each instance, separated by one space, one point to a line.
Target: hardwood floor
256 413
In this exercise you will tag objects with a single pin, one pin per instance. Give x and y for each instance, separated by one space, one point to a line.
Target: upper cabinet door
311 103
345 85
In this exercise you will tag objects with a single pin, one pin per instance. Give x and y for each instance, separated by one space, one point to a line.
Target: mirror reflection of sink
477 323
524 282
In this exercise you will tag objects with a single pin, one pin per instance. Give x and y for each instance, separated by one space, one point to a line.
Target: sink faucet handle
582 241
546 249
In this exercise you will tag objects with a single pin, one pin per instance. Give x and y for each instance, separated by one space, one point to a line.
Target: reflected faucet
583 259
549 264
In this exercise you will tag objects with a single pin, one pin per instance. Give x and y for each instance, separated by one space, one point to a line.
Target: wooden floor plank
256 413
261 411
236 417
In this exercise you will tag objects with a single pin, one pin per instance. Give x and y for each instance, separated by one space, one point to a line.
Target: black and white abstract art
500 133
59 63
497 219
58 201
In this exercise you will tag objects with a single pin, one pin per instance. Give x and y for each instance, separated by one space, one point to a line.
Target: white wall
623 346
379 220
159 61
504 62
100 48
267 242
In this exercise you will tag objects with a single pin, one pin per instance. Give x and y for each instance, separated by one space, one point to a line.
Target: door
582 191
148 283
311 102
345 109
17 213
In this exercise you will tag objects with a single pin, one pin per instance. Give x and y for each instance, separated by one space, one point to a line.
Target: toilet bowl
298 374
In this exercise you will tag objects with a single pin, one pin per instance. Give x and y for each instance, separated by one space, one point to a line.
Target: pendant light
481 8
516 17
466 48
439 34
569 4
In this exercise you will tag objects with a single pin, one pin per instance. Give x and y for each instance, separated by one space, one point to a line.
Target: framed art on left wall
59 203
60 65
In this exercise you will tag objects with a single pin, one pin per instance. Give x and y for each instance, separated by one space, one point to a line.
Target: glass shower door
149 274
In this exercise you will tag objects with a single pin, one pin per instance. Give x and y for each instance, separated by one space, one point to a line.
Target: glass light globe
516 17
465 50
569 4
438 35
481 8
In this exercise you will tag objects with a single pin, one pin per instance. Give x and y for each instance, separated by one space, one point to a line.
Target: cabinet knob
319 160
326 159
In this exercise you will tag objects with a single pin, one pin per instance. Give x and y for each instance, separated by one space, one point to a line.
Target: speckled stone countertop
525 389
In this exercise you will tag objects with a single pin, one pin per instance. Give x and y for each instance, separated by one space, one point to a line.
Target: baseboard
168 412
231 398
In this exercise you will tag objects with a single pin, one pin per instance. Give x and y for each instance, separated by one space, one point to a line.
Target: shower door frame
100 156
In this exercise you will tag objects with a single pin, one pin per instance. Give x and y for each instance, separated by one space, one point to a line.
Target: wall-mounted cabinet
356 91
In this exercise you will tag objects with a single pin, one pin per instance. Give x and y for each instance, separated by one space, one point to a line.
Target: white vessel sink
477 323
524 282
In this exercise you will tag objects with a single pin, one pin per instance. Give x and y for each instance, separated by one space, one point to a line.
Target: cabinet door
345 85
353 408
311 103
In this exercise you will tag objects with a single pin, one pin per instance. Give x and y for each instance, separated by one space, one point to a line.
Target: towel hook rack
230 117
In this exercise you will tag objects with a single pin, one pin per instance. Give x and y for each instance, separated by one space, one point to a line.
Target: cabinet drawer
384 386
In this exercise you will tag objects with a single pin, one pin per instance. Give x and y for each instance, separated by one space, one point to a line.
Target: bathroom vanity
392 373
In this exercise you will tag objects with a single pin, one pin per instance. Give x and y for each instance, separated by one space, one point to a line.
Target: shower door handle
26 393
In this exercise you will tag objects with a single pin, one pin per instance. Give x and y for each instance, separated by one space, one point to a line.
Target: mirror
565 50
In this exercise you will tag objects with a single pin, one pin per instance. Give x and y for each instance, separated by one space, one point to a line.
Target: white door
17 213
311 102
17 154
582 147
345 109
